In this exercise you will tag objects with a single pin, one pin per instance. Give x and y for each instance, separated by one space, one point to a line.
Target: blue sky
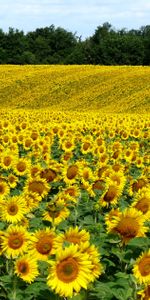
80 16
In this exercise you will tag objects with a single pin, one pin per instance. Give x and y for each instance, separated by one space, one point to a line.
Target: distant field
109 89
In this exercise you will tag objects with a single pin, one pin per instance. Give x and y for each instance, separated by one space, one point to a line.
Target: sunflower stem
14 288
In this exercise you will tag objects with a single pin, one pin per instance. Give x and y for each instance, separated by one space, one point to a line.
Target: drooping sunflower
141 269
72 235
70 272
15 241
129 224
26 268
56 212
13 209
43 243
110 195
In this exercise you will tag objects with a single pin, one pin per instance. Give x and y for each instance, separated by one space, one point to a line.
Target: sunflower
110 195
142 202
95 259
141 269
72 235
1 235
32 200
68 144
70 272
72 190
15 241
109 217
4 189
138 184
49 174
37 185
71 173
26 268
21 166
13 209
129 224
43 243
56 212
7 160
12 180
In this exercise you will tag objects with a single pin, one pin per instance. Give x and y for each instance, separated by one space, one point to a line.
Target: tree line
52 45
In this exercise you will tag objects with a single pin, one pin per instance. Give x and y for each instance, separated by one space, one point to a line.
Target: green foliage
52 45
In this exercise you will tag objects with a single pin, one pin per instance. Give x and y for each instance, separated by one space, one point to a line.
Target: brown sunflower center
110 194
144 266
68 144
86 146
67 270
143 205
98 185
23 267
44 245
73 239
147 293
36 187
138 185
12 209
72 172
21 166
15 241
48 174
7 161
2 189
127 227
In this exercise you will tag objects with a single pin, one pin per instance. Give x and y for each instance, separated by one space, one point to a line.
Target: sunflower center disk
67 270
44 246
23 268
13 209
144 266
15 242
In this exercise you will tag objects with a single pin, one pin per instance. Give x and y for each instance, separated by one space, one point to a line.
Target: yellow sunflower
21 166
13 209
15 241
37 185
72 235
95 259
4 189
129 224
12 180
26 268
7 160
43 243
110 195
142 202
141 269
71 173
70 272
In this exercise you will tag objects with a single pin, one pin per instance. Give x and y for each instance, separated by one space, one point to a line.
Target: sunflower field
74 183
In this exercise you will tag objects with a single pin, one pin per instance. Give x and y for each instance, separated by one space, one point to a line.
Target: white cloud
75 15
